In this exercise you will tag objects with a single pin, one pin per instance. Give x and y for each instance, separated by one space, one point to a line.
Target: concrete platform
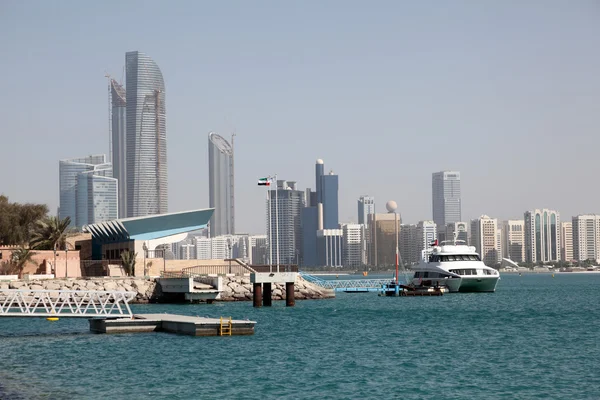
181 324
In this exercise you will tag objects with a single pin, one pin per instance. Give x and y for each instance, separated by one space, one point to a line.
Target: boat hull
453 284
478 284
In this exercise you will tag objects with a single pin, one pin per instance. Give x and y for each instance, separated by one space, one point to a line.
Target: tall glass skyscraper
119 146
446 198
366 206
220 186
146 137
542 236
88 192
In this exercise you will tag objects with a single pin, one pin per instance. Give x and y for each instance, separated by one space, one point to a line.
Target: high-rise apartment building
258 249
330 247
220 185
513 240
426 233
366 206
286 202
354 249
146 142
409 244
484 236
586 237
118 142
542 236
446 202
566 241
88 192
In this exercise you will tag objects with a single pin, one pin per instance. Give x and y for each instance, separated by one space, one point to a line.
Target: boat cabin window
456 257
431 275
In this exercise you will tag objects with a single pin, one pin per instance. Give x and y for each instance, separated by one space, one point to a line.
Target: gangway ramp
346 285
65 303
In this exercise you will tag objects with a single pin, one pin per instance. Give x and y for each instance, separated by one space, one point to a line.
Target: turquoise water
537 337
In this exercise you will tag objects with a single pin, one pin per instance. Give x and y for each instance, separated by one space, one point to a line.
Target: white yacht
457 266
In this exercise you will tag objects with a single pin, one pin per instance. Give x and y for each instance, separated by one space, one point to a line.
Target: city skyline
488 89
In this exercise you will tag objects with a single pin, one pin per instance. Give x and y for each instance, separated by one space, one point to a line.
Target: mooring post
290 301
257 294
267 301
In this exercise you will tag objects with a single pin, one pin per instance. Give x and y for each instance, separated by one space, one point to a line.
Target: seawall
235 288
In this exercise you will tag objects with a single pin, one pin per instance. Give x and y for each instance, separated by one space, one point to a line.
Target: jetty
171 323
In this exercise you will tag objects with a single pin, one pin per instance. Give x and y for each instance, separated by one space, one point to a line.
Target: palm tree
20 258
51 233
128 259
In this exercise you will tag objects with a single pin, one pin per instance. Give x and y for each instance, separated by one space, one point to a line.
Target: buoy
52 319
553 275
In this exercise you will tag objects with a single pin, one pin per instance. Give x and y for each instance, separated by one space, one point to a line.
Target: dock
171 323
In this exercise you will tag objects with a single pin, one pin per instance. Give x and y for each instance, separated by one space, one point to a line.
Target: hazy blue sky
386 92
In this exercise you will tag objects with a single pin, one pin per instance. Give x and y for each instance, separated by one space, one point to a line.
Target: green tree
49 232
18 261
128 260
17 221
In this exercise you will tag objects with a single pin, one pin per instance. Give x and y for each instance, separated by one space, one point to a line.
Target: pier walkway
347 285
64 303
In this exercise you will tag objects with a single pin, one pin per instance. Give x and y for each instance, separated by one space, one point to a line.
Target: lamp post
54 265
229 246
66 261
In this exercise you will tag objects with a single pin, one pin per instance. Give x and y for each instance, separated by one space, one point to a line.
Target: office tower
88 193
354 250
566 241
146 137
426 233
408 244
330 247
319 172
586 237
285 205
542 236
327 194
118 142
203 248
366 206
309 228
220 185
446 201
383 238
484 236
460 229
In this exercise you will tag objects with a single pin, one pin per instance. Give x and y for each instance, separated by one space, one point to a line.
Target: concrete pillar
257 294
267 300
290 300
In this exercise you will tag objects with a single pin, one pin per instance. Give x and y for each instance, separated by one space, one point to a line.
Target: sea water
536 337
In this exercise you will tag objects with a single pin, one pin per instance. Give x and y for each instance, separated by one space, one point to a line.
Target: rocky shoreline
235 288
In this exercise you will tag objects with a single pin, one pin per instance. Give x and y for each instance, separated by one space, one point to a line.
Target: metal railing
345 284
273 268
64 303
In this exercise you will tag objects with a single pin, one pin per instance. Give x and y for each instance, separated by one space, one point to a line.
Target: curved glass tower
146 140
220 185
119 148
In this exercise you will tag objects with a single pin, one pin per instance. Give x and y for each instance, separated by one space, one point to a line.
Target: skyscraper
118 142
354 250
566 241
586 237
284 229
88 192
146 137
513 240
426 232
220 185
329 195
446 201
366 206
484 236
542 236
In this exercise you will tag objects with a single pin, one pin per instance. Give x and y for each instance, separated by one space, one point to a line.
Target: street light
229 246
54 265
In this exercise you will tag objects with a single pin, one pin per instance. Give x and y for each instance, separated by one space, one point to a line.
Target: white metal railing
64 303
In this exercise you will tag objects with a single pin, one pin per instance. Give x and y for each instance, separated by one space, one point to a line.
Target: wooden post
290 301
257 295
267 300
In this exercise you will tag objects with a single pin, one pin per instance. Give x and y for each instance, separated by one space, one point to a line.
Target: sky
385 92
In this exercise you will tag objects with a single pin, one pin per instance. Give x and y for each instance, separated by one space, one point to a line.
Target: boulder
52 286
110 286
36 287
245 281
17 285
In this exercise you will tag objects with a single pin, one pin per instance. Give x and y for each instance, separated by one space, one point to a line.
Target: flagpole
277 218
270 230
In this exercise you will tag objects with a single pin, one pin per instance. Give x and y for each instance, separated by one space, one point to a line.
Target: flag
264 182
433 243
